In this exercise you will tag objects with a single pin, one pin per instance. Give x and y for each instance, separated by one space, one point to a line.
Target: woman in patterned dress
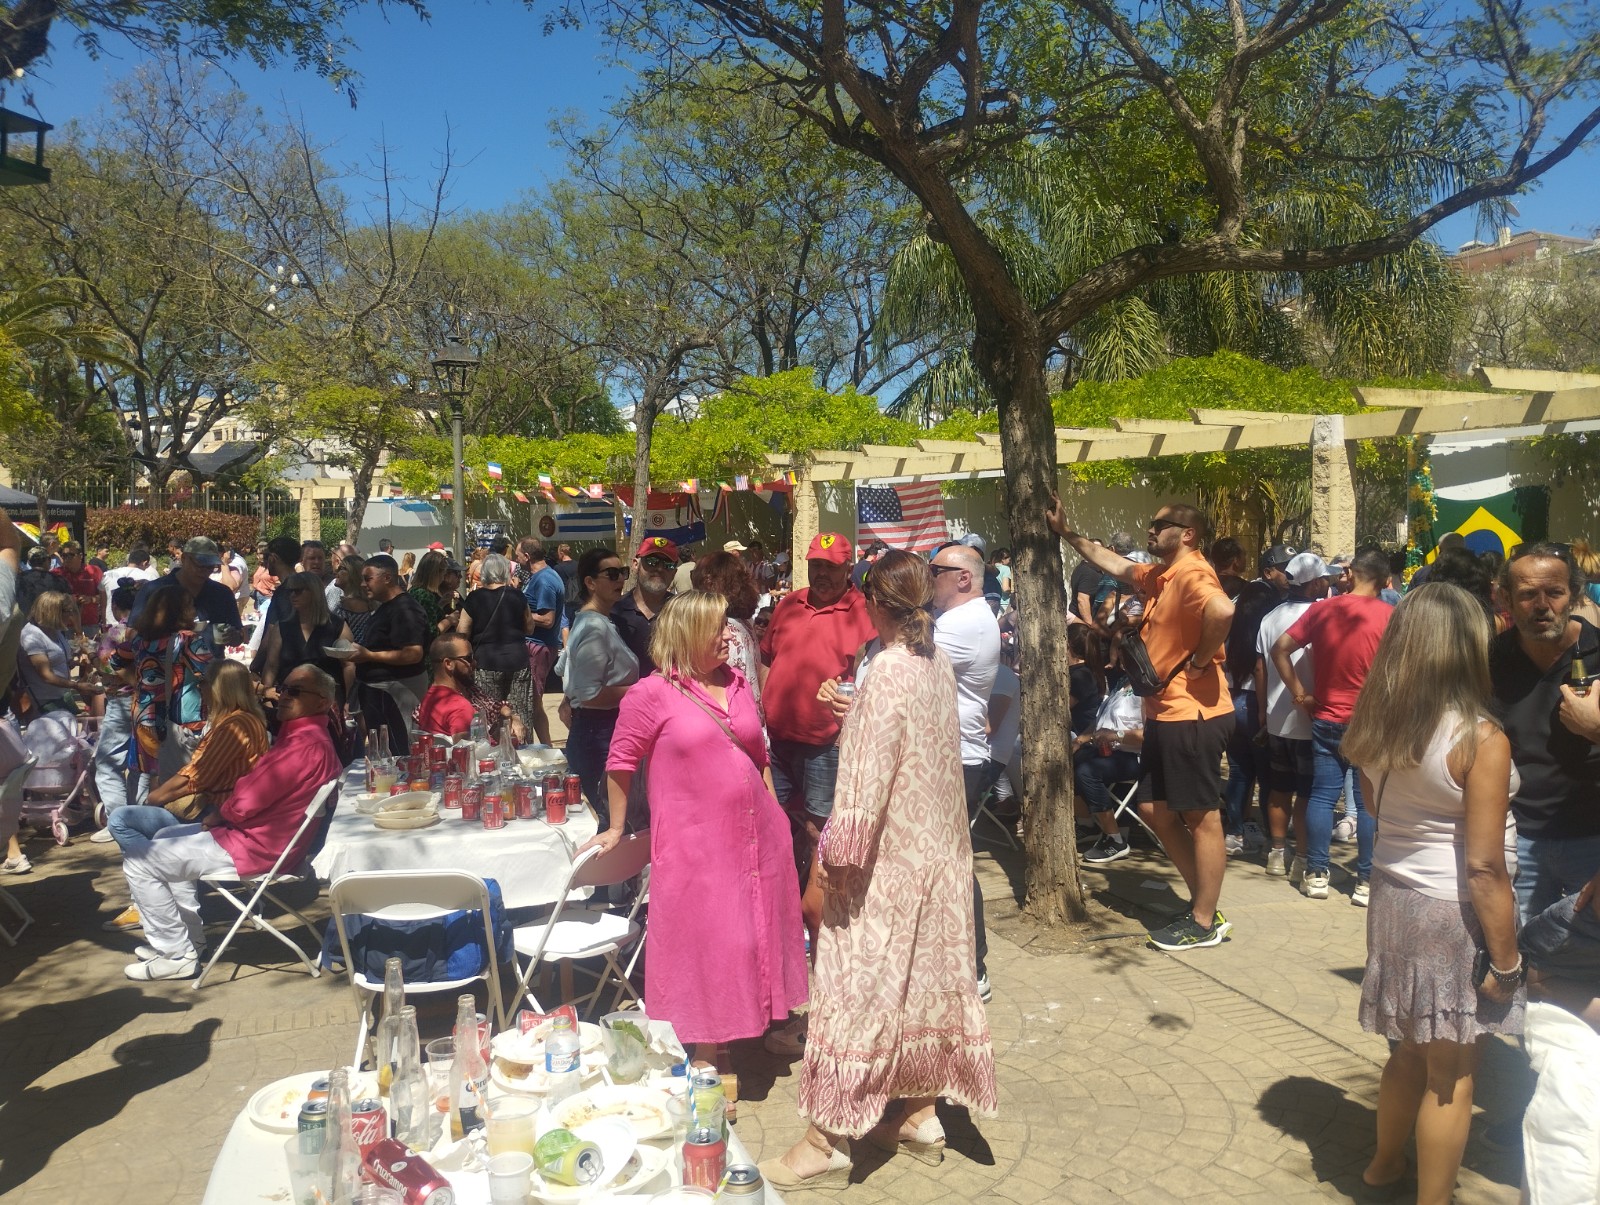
725 574
895 1014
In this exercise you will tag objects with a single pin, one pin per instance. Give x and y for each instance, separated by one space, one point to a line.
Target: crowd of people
810 762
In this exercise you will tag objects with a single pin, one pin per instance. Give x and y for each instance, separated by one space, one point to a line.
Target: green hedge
125 526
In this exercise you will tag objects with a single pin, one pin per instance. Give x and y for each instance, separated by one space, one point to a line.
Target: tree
1296 136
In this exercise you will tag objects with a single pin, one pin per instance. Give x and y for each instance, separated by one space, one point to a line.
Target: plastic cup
624 1051
304 1186
441 1054
511 1126
510 1178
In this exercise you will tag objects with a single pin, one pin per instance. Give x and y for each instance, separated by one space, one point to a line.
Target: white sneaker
985 992
1275 863
17 865
1254 836
1297 871
1344 830
1315 885
1362 895
146 953
102 836
1233 843
162 968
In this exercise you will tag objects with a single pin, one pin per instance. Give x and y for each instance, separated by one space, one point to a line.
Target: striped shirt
226 753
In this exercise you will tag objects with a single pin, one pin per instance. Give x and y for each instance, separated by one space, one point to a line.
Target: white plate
645 1109
406 820
529 1047
339 650
368 804
277 1106
407 801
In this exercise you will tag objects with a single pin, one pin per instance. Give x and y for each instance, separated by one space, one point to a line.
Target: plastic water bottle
563 1059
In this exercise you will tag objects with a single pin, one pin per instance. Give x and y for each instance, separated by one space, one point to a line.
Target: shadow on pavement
1339 1132
57 903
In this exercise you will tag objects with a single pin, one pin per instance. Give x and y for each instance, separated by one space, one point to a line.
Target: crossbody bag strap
721 723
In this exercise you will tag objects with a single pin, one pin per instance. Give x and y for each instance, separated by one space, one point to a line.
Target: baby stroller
60 790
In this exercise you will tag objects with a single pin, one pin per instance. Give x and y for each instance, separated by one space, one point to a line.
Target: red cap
829 547
659 546
436 546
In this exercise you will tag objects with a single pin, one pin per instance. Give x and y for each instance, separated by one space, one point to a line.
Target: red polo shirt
805 646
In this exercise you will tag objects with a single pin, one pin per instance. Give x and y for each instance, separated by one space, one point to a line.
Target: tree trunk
1012 365
644 423
361 484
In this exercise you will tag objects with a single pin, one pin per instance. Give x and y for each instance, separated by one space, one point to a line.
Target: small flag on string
572 491
519 495
596 490
494 471
547 487
792 477
719 510
690 485
396 489
447 492
741 481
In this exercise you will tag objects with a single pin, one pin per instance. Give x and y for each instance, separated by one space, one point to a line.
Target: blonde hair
229 688
53 611
1432 665
1585 557
687 626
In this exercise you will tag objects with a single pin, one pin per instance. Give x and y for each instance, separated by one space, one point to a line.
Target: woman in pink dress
896 1015
724 946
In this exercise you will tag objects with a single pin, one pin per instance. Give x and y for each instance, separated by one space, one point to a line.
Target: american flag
902 516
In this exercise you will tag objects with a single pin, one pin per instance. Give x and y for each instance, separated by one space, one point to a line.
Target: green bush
125 526
333 530
284 525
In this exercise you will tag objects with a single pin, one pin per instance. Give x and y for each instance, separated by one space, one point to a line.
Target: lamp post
453 365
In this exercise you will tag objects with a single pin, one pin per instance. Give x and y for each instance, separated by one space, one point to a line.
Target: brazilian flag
1497 523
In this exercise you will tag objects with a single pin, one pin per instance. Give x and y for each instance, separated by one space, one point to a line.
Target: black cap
1278 556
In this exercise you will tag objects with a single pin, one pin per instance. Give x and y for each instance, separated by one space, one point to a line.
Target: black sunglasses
936 570
613 574
294 692
657 563
1160 525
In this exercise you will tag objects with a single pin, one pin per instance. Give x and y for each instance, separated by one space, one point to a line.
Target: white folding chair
1128 807
411 895
573 934
984 813
250 910
10 814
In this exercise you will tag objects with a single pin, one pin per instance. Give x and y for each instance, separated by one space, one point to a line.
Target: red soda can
573 786
494 809
471 800
437 754
399 788
369 1124
705 1157
391 1164
460 754
452 790
487 766
522 795
555 805
552 782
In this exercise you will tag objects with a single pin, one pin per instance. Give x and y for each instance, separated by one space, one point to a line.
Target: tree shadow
57 903
1339 1132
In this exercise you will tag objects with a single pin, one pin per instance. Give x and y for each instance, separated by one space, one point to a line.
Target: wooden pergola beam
1534 380
1412 399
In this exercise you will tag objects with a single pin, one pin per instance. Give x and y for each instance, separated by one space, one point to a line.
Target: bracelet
1512 976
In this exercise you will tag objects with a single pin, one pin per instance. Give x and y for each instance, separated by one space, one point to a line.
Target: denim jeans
136 822
1244 760
809 771
112 777
1550 868
1328 769
588 746
1094 775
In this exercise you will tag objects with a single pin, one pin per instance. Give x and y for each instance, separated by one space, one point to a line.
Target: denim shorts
804 775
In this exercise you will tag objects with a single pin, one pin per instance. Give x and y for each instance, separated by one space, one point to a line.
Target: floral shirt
168 674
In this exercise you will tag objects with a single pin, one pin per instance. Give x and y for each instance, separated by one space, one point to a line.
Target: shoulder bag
1143 678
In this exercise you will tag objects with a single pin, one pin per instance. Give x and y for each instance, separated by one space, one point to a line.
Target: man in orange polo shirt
1187 723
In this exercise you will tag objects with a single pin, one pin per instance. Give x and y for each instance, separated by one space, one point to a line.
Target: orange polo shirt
1176 597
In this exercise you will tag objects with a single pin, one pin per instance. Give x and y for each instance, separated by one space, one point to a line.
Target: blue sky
488 72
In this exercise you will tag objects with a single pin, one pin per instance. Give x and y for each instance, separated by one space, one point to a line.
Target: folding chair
249 910
984 813
1128 806
411 895
10 814
569 935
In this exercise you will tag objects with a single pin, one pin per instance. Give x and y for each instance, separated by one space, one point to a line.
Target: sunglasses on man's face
294 692
1160 525
936 570
656 564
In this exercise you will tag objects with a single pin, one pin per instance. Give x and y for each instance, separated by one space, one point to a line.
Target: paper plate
406 820
339 654
407 801
645 1109
277 1106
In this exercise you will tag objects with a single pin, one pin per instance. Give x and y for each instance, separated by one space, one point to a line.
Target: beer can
522 795
390 1163
471 800
573 786
705 1156
744 1181
460 755
312 1126
555 805
318 1089
369 1124
452 790
494 809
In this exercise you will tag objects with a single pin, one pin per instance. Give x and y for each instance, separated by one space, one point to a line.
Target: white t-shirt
1003 740
1284 719
970 637
36 642
113 578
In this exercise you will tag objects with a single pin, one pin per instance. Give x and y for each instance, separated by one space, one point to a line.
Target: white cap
734 546
1307 567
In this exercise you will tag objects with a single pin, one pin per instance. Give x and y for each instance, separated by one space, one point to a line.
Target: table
529 858
251 1168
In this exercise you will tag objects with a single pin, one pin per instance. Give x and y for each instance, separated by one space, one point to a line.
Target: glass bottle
411 1104
1578 677
469 1075
394 999
339 1167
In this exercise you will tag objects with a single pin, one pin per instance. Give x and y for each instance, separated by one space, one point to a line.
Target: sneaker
1344 830
1185 934
787 1041
1275 863
127 919
102 836
1107 849
1221 924
146 953
985 992
1315 885
162 968
1255 837
1233 843
1297 871
1362 895
17 865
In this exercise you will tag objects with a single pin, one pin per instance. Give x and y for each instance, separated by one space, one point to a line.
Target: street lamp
453 365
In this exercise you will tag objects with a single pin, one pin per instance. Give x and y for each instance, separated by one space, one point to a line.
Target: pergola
1545 401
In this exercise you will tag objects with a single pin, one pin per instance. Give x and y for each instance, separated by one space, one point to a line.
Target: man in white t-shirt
139 567
1288 728
966 629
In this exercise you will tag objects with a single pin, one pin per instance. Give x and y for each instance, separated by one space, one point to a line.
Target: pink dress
726 948
896 1012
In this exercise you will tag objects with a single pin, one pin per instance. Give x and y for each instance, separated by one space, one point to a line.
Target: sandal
836 1175
926 1145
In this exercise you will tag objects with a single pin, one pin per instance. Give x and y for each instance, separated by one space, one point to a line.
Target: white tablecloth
528 858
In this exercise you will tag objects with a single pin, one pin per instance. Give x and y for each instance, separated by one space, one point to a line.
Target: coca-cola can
552 782
471 800
369 1124
494 809
573 786
522 796
705 1157
390 1163
437 754
417 766
452 790
460 755
487 766
555 805
399 787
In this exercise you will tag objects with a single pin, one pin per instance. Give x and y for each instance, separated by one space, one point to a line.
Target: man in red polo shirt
84 581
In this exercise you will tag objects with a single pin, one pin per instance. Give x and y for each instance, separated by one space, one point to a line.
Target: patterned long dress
895 1011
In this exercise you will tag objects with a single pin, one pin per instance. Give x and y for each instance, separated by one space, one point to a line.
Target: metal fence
106 493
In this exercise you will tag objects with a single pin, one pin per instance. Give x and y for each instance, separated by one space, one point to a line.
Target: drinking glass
304 1186
626 1038
441 1056
511 1126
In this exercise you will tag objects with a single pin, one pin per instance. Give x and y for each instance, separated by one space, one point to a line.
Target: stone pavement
1231 1074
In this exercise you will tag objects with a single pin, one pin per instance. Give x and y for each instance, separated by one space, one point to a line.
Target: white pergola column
807 521
1333 488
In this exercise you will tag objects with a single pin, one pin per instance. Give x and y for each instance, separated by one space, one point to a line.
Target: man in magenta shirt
245 835
1343 633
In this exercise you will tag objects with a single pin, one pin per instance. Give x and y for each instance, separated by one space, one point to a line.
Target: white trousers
162 873
1561 1129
